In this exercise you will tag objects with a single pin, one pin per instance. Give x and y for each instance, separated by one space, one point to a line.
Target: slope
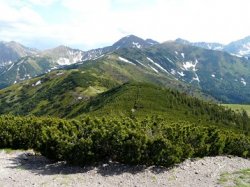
216 73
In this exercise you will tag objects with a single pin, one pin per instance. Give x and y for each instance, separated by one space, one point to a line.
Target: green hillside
53 94
75 94
139 100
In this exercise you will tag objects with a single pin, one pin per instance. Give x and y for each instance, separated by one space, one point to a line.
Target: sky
88 24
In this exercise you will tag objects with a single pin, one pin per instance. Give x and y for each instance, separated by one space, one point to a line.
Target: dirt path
21 168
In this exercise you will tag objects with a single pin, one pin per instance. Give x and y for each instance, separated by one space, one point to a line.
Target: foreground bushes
151 141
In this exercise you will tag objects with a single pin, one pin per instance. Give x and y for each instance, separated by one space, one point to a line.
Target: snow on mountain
125 60
240 47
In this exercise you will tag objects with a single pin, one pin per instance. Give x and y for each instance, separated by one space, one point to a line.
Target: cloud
42 2
95 23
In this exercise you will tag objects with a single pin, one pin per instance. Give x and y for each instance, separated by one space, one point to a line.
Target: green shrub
152 141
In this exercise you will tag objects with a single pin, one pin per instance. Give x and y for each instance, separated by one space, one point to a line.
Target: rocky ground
24 168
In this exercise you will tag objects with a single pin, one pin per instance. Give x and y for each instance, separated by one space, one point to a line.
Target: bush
152 141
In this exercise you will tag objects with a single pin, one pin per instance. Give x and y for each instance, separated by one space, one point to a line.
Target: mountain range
18 63
61 81
240 48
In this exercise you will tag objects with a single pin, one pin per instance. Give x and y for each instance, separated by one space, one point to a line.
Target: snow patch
63 61
181 73
189 65
125 60
60 73
150 60
176 52
173 72
19 63
219 48
183 55
154 69
242 80
140 63
10 67
170 60
79 98
245 49
213 75
98 57
158 65
196 78
135 44
37 83
240 56
54 68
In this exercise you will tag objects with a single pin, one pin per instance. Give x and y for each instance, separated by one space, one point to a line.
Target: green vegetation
132 123
236 179
238 107
58 96
151 141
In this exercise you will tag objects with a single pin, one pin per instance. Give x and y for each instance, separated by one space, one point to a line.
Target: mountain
130 41
205 45
34 64
25 63
219 74
25 68
63 92
12 51
240 47
63 55
196 71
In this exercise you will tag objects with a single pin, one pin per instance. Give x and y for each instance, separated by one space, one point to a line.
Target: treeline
152 141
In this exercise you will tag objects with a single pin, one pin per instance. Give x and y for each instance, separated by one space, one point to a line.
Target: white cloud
100 22
42 2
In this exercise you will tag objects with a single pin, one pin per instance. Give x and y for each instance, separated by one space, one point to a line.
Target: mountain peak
182 41
134 42
12 51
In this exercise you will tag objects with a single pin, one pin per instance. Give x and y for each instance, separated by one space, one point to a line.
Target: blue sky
96 23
